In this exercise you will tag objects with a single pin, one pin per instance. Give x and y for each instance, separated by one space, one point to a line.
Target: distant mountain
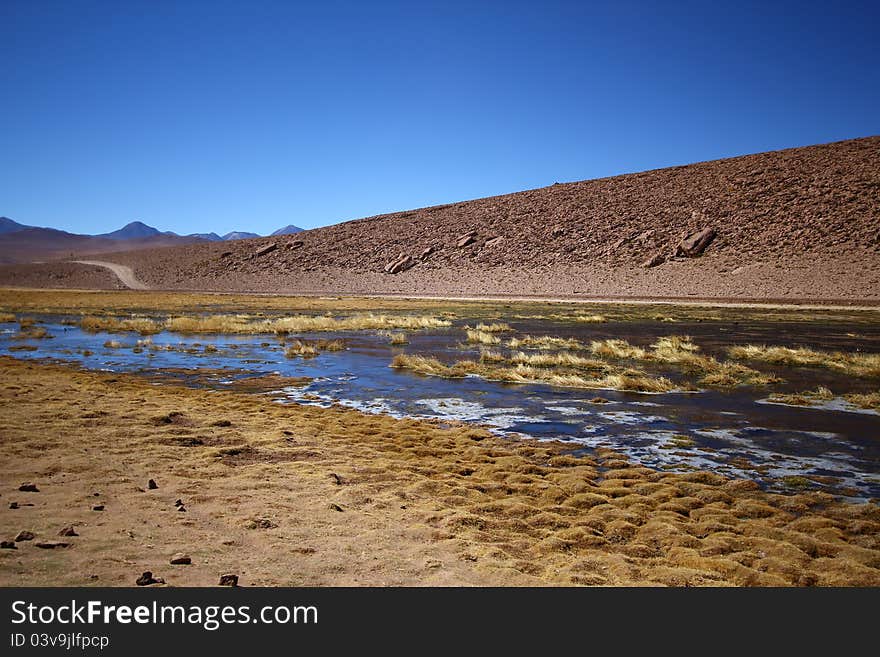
288 230
7 225
132 231
211 237
239 235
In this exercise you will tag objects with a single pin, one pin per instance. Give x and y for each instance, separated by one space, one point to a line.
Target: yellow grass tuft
6 318
498 327
590 319
616 349
311 348
560 359
865 400
482 337
807 398
398 338
852 363
545 342
140 325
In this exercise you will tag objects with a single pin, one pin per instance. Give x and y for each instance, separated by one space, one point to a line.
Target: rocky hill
797 223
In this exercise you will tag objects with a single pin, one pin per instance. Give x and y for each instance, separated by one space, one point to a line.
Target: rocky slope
799 223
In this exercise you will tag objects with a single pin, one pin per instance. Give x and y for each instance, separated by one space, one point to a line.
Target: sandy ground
292 495
124 274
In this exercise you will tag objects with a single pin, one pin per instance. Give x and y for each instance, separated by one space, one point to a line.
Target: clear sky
200 116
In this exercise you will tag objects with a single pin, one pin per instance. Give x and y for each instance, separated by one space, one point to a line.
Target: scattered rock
644 237
25 535
494 241
335 507
147 579
654 261
178 502
557 231
428 251
51 545
226 254
261 523
181 509
152 485
403 263
264 250
29 487
8 545
465 240
221 423
619 243
181 559
229 580
98 507
296 244
68 531
336 478
694 244
13 505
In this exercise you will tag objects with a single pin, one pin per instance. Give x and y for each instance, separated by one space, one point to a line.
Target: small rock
403 263
178 502
13 505
295 244
51 545
25 535
494 241
336 478
152 485
29 487
335 507
557 231
68 531
8 545
266 249
98 507
428 251
147 578
226 254
229 580
181 509
465 240
180 559
654 261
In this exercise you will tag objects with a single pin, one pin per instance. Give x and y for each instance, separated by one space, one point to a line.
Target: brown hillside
799 223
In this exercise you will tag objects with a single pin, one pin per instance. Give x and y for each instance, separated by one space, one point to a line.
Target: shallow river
736 433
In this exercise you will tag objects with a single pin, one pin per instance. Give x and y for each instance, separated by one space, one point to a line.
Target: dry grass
870 400
616 349
851 363
482 337
590 319
113 344
398 338
806 398
6 318
141 325
559 359
423 505
545 342
497 327
29 332
311 348
522 373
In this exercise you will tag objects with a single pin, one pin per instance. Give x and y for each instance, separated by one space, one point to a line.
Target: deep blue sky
199 116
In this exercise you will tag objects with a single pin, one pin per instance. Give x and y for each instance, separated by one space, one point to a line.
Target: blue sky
199 116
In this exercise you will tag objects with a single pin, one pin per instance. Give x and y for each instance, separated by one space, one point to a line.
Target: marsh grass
398 338
141 325
113 344
806 398
29 332
545 342
482 337
616 349
869 400
497 327
311 348
521 373
851 363
7 318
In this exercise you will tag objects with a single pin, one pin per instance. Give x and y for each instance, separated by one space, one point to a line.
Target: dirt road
123 273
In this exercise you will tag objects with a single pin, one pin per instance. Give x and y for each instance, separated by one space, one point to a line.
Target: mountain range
23 243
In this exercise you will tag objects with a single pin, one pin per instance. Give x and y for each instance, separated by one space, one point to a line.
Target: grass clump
521 373
113 344
869 400
398 338
311 348
806 398
590 319
7 318
141 325
545 342
482 337
497 327
561 359
852 363
617 349
302 323
30 332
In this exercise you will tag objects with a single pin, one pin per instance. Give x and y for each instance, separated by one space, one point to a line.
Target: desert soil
799 224
294 495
